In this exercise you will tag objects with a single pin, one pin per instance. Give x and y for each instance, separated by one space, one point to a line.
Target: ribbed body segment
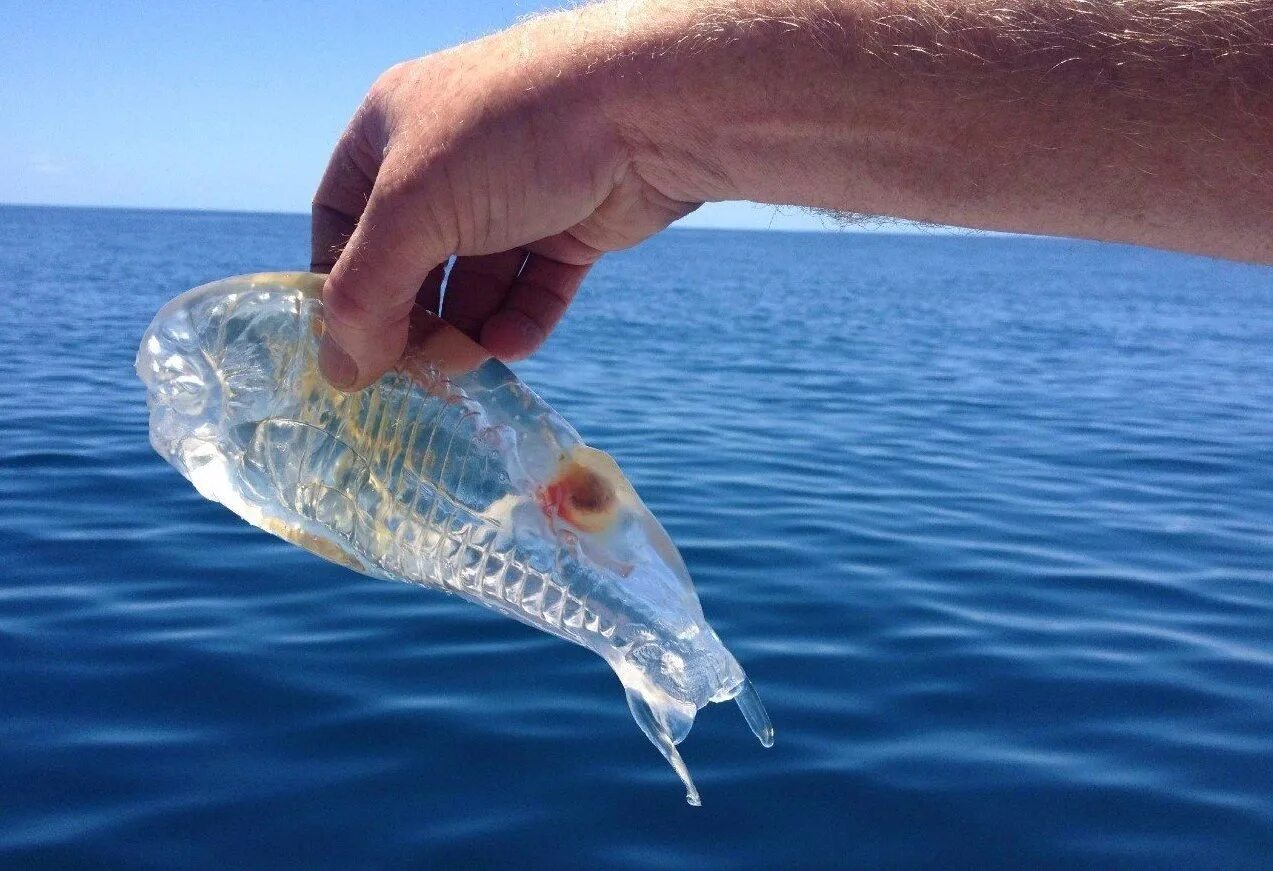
427 468
448 472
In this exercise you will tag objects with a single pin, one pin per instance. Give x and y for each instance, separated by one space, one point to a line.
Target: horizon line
881 227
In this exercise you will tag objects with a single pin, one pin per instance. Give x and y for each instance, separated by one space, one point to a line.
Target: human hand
532 152
503 152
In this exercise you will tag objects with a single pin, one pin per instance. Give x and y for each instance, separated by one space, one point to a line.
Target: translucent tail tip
755 714
666 727
660 736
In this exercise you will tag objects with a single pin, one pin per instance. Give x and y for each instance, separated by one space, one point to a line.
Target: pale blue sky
223 105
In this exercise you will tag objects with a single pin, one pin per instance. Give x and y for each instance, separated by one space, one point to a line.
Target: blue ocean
988 520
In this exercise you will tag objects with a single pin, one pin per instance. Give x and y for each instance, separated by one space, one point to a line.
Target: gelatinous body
448 472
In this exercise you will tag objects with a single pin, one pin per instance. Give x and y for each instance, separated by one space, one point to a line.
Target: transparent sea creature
448 472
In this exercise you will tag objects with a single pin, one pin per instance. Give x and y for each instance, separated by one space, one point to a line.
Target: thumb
368 295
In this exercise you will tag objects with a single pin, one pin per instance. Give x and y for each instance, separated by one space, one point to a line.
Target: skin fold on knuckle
418 192
355 314
512 335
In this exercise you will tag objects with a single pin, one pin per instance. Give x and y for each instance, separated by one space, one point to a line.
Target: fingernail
337 367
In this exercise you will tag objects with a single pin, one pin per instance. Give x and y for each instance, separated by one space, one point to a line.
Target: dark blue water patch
989 521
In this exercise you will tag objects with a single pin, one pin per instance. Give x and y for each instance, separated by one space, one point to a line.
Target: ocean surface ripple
989 521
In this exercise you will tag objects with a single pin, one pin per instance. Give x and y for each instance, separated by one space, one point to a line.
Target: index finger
340 200
397 243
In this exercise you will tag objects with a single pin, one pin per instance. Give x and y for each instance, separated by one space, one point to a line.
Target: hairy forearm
1147 121
533 152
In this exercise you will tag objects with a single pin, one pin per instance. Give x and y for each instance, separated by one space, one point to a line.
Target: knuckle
347 305
400 183
374 120
387 82
549 301
360 308
418 202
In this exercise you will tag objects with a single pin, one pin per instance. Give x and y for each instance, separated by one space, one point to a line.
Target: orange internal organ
581 497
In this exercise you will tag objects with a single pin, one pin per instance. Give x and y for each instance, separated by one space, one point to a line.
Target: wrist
724 99
658 90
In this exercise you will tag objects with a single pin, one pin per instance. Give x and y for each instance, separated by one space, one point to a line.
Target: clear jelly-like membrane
448 472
